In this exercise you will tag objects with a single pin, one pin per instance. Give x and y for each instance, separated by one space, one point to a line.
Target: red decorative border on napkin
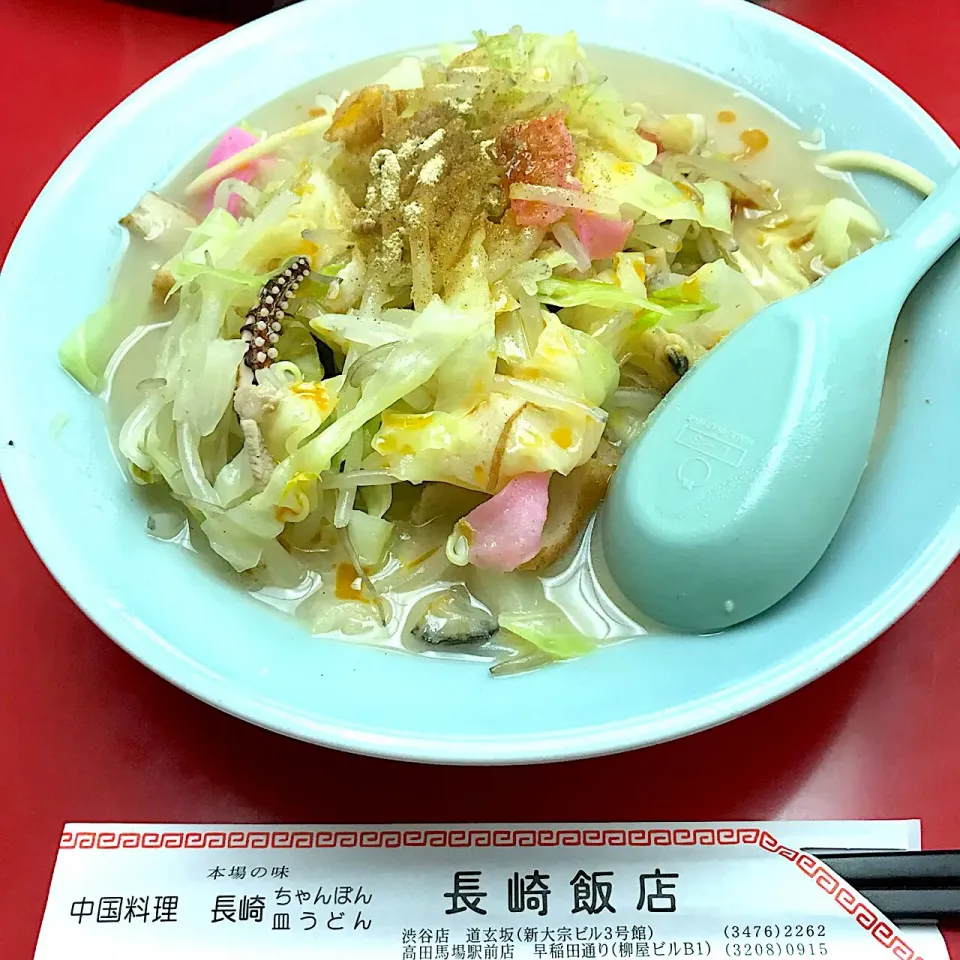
851 901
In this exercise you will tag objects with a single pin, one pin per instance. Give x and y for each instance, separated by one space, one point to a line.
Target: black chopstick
917 906
908 886
913 869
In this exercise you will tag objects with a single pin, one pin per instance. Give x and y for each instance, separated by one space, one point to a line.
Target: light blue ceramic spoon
742 475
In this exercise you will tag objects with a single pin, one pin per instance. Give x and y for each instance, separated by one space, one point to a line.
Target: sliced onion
520 662
559 197
570 243
725 242
135 428
357 478
347 494
641 400
727 172
146 387
656 236
665 279
609 332
281 568
383 608
429 570
707 247
531 318
543 396
188 448
226 188
168 525
369 363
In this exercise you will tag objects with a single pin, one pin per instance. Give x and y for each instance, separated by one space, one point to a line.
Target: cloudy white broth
375 352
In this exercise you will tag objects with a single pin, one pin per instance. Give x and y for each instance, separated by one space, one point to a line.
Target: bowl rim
157 654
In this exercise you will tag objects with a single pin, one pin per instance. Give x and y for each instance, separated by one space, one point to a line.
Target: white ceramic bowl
191 627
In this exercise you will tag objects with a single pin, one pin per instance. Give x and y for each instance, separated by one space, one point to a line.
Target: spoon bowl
743 474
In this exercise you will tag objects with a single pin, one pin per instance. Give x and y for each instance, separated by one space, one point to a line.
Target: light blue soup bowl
175 615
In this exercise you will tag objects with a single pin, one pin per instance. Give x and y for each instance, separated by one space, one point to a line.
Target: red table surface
90 734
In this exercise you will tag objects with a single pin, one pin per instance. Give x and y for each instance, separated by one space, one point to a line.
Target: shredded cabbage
599 112
539 61
86 352
467 376
837 221
729 297
549 631
434 335
302 408
463 450
572 361
632 185
370 536
211 390
572 293
184 270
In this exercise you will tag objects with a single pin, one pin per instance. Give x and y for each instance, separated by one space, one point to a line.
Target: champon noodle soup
379 349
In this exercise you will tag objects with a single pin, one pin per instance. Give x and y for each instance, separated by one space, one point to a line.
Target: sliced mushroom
453 618
573 498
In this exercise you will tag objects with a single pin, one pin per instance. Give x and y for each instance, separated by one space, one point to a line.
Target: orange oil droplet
348 586
753 141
